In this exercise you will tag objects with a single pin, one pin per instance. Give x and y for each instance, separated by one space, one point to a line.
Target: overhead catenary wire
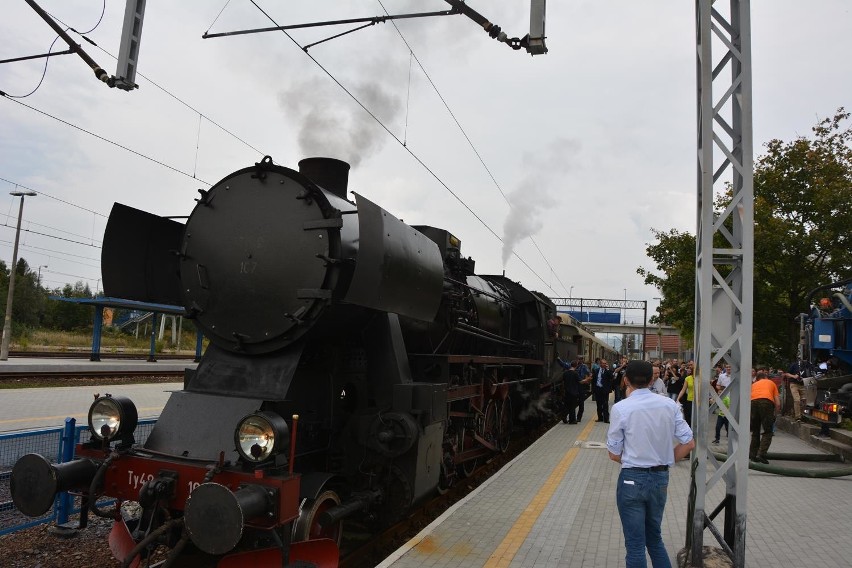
23 230
99 137
47 270
6 224
155 84
400 142
93 28
464 133
53 197
178 99
51 253
50 51
375 118
164 90
43 72
216 19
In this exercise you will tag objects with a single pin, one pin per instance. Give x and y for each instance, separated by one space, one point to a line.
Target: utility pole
659 329
7 321
39 275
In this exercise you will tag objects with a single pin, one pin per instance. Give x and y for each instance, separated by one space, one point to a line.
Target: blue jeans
640 506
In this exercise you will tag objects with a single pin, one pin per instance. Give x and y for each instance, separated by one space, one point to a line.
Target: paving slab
554 506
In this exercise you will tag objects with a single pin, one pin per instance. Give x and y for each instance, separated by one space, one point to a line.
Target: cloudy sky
592 144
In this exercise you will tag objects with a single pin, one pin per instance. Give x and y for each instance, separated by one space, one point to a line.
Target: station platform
554 506
57 364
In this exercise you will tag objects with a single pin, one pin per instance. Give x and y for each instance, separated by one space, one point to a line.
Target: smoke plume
547 172
332 125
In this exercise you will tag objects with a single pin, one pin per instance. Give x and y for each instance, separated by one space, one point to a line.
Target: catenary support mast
724 266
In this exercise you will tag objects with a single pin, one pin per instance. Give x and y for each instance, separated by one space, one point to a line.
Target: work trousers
762 416
797 391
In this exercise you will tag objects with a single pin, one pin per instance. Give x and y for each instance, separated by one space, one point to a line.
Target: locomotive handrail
483 292
479 332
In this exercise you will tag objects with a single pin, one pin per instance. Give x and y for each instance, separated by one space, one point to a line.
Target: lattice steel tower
724 265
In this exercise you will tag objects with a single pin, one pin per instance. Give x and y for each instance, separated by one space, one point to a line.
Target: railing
57 445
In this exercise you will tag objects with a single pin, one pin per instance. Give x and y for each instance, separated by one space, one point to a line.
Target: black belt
655 468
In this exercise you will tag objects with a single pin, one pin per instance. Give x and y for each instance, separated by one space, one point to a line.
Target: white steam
547 172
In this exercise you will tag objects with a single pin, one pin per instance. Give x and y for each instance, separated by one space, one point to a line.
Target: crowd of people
651 429
676 380
670 378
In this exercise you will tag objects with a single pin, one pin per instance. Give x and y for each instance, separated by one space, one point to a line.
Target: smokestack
328 173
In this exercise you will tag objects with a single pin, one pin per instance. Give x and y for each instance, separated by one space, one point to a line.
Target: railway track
54 374
87 354
83 374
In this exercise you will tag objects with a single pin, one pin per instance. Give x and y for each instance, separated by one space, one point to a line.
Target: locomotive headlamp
112 417
260 436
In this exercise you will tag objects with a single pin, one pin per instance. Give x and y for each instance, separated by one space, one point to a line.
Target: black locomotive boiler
356 365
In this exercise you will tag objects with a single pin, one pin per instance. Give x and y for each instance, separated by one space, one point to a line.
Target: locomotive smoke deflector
399 269
138 260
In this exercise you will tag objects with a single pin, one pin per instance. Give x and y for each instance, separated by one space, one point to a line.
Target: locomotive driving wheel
448 475
307 526
490 427
504 424
466 442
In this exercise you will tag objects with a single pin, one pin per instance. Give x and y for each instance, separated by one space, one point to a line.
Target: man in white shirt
640 435
657 385
724 378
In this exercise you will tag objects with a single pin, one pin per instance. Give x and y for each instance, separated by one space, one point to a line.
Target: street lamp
39 275
7 321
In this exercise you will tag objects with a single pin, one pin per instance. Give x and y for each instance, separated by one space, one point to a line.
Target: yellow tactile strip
506 550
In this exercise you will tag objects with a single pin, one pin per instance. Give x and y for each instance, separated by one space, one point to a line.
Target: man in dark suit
601 387
571 384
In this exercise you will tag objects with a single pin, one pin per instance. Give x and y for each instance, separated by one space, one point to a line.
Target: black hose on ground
792 471
804 457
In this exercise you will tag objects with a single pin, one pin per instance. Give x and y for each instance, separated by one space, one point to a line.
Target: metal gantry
724 267
585 303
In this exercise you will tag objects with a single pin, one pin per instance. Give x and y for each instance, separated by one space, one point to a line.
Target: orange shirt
764 388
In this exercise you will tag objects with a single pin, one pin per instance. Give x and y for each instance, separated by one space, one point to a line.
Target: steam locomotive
356 366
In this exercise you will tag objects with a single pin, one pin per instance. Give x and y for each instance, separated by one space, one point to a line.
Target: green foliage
69 316
803 216
674 255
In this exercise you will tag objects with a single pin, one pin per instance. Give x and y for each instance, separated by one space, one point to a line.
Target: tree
69 316
28 303
674 255
803 213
